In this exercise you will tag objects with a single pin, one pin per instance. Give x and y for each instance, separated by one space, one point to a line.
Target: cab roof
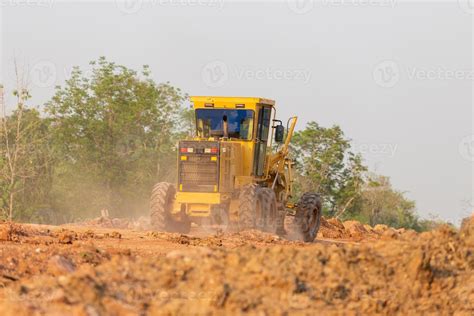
229 102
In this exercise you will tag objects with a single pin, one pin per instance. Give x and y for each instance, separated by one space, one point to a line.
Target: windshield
224 123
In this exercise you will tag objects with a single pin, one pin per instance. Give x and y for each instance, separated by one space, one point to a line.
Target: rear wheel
161 203
308 216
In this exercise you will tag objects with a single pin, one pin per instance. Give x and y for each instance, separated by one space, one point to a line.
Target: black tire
161 203
248 207
281 214
308 216
182 226
267 221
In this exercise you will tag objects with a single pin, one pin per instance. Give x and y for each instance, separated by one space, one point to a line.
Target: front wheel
308 216
268 218
249 206
161 203
281 215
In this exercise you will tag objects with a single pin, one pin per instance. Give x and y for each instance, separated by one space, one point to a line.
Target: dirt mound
160 273
10 231
226 239
467 229
105 221
355 231
330 228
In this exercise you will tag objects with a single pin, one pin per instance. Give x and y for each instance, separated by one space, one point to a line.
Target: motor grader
236 170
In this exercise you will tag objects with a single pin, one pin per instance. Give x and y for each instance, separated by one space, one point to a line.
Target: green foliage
328 166
384 205
381 204
114 133
433 222
108 137
25 162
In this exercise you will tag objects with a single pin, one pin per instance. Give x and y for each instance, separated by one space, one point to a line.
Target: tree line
105 138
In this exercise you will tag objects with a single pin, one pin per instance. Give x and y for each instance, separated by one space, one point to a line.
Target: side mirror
279 133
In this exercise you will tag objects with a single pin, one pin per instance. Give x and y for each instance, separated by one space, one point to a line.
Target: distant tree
109 136
25 156
327 165
116 133
381 204
188 122
432 222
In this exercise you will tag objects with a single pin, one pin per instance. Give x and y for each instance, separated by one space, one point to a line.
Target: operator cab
225 123
242 120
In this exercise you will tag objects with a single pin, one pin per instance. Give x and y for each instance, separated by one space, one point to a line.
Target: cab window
224 123
263 127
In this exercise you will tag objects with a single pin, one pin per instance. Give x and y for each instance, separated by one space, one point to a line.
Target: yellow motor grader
235 170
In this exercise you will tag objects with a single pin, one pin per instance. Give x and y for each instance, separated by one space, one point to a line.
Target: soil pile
330 228
151 273
141 223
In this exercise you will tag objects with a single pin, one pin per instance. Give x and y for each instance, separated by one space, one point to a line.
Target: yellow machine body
212 167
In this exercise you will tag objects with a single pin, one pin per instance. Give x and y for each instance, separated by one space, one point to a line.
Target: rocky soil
120 267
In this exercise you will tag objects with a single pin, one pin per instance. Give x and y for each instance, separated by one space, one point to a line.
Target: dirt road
99 269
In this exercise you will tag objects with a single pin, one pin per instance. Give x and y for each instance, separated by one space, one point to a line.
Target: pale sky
396 75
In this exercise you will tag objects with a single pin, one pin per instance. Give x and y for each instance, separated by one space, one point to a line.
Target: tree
326 165
25 160
116 132
381 204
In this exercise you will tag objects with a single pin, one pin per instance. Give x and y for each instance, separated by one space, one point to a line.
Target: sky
396 75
